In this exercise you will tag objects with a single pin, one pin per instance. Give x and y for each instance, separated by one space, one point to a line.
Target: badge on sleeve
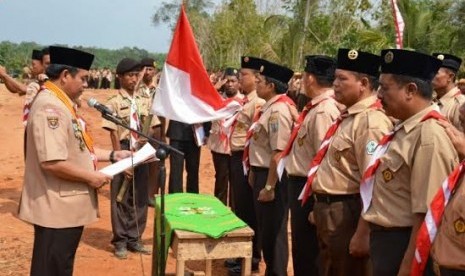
459 226
274 122
371 147
53 120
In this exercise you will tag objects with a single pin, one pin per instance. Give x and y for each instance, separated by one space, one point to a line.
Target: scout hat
70 57
320 65
252 62
127 65
148 62
277 72
449 61
358 61
37 55
229 71
409 63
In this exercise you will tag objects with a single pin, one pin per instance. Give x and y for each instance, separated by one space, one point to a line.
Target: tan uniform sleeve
280 126
432 164
112 105
50 133
323 120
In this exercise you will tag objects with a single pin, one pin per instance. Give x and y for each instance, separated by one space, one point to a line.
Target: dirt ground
94 255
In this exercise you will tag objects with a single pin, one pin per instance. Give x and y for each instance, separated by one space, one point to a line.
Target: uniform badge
300 141
255 135
440 57
371 147
78 135
53 122
337 156
246 59
389 57
352 54
459 226
262 68
388 175
274 122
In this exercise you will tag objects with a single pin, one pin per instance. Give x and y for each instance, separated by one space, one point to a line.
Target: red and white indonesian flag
185 92
399 24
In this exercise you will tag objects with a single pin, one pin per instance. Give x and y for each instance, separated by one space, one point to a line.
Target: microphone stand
162 153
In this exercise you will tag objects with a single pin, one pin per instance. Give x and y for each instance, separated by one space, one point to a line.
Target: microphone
100 107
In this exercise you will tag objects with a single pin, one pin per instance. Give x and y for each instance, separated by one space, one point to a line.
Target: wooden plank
241 232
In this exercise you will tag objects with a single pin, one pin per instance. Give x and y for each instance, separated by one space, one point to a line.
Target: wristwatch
268 187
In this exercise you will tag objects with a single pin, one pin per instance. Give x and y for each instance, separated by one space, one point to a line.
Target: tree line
16 56
285 30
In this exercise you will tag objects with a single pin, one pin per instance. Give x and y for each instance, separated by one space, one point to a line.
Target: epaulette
111 97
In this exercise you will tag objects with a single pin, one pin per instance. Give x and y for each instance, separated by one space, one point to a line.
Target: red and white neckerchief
133 123
295 130
227 127
27 106
368 178
245 156
316 162
428 229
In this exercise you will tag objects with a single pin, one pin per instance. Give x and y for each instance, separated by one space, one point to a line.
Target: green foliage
16 56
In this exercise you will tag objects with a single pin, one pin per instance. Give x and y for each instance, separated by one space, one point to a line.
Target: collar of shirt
415 120
252 95
448 96
362 105
125 95
323 96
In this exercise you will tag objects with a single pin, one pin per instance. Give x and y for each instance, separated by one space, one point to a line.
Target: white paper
145 153
199 134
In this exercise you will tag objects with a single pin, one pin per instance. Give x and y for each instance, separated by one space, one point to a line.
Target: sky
110 24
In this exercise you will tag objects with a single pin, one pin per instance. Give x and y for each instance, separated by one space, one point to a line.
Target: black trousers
387 249
272 224
129 217
451 272
244 200
54 250
192 156
221 162
304 239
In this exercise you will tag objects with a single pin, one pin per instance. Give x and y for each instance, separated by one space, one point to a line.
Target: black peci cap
320 65
127 65
229 71
358 61
70 57
148 62
409 63
252 62
37 55
449 61
277 72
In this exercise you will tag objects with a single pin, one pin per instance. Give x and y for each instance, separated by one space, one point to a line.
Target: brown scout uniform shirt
350 151
449 246
121 105
47 200
413 168
149 93
449 105
244 120
311 134
272 132
214 139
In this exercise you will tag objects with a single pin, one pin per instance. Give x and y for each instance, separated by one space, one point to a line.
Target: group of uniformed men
369 169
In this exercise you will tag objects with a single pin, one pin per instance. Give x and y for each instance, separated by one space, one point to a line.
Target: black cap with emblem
358 61
409 63
252 62
70 57
229 71
449 61
148 62
127 65
276 71
320 65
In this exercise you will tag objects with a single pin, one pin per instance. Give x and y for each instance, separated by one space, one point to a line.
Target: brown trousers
336 223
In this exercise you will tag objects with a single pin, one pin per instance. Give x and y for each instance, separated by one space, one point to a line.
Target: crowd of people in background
355 148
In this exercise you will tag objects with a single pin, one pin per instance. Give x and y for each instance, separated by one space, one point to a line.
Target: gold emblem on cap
235 71
154 64
353 54
387 175
246 59
389 57
262 68
459 226
441 57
